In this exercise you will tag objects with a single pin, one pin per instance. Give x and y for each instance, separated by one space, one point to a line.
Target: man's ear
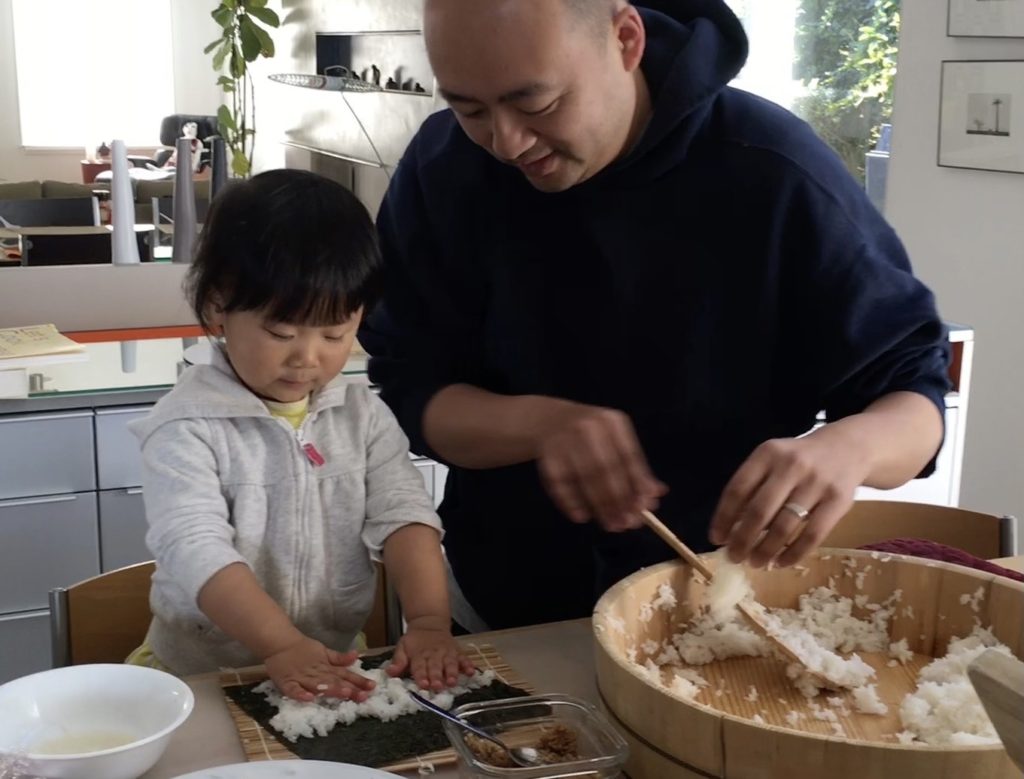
630 36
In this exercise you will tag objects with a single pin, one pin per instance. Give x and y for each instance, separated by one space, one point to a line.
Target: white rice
389 700
666 599
900 651
945 709
729 586
866 700
973 600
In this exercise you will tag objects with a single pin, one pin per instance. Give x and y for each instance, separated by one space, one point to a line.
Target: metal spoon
521 756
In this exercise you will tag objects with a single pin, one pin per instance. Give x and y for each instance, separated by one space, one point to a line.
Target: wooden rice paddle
999 682
752 611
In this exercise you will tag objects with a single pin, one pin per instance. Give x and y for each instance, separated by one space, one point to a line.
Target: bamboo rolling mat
260 744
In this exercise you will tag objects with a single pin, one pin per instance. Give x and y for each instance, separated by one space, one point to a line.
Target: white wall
965 233
195 91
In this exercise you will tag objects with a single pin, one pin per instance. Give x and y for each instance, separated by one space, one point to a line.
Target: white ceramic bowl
90 721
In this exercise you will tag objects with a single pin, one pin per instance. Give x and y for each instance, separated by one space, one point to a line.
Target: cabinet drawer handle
133 491
44 417
37 501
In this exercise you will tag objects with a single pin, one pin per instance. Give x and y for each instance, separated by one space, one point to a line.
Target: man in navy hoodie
616 283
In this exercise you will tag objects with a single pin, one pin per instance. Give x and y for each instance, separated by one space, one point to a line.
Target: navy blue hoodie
720 284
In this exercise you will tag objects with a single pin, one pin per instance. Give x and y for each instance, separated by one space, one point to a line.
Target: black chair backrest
50 211
170 127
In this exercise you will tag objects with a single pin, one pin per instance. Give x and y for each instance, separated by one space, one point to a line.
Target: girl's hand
430 655
307 668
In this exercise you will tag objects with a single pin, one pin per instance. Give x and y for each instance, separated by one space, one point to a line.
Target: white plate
288 769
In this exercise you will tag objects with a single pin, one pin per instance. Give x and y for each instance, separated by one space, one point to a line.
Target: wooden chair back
105 618
102 619
870 521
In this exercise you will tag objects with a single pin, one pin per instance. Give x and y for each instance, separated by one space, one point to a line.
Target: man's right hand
593 467
590 460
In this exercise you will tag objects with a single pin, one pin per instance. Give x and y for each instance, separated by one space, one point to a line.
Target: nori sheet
367 741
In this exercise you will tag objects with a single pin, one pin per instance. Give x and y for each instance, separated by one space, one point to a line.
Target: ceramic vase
124 249
184 207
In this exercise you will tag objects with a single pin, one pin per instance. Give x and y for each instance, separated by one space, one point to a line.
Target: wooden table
557 657
1013 563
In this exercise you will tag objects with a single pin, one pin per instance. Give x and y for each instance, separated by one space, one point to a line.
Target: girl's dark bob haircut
296 246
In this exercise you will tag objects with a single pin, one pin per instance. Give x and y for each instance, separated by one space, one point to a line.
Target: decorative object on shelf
996 19
184 208
102 152
123 249
243 40
218 165
981 118
340 80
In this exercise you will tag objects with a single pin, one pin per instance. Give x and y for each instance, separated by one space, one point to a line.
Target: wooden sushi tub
715 735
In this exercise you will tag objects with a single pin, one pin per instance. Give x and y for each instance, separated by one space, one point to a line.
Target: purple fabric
932 550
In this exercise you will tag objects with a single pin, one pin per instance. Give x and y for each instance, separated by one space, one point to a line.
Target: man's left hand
788 495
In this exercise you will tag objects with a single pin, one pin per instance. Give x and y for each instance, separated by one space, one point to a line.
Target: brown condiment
556 744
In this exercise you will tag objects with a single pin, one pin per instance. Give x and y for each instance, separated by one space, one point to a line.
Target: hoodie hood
694 49
213 391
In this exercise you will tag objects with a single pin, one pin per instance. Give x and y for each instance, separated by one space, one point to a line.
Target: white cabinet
24 644
943 486
48 526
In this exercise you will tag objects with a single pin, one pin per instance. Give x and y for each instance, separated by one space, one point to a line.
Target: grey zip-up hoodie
226 482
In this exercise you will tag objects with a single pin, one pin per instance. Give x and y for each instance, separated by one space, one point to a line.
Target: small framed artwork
986 18
981 115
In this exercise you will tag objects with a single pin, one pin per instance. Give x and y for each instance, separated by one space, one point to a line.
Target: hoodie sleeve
395 495
425 334
190 534
875 327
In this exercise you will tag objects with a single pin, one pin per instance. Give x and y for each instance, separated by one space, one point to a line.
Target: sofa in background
144 192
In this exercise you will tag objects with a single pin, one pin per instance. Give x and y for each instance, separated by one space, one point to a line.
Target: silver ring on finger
795 508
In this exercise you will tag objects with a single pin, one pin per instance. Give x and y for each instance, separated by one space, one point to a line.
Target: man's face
533 85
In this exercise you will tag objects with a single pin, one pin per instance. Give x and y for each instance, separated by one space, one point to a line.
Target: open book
21 347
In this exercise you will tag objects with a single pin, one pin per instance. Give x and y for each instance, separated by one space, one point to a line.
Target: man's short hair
594 13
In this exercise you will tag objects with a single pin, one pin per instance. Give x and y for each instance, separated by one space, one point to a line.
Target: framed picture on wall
981 115
986 18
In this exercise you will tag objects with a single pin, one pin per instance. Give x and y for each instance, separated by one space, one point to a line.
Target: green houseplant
846 57
244 39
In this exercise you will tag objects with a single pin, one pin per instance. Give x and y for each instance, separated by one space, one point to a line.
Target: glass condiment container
600 750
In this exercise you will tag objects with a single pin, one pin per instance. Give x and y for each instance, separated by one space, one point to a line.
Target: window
833 62
93 70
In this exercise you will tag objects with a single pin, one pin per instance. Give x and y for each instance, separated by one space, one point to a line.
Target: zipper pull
313 455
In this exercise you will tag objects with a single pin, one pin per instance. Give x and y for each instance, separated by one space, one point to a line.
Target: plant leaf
220 56
266 15
223 16
226 121
240 163
266 42
237 63
211 46
251 46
